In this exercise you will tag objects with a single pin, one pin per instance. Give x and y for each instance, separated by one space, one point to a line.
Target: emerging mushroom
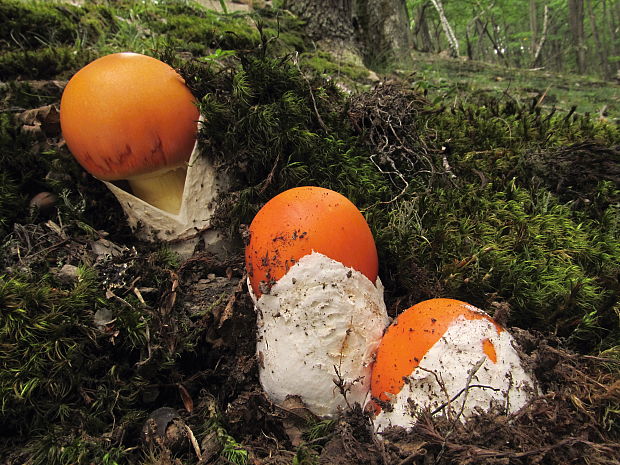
130 117
448 356
312 273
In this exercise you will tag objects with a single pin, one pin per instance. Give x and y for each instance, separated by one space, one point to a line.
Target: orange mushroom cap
126 115
303 220
410 337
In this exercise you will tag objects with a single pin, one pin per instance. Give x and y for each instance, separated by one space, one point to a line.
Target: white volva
504 383
321 318
193 222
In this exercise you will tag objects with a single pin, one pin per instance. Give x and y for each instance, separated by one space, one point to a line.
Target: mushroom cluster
312 273
311 262
131 122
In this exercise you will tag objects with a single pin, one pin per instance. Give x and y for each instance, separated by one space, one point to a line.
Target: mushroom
312 273
130 117
450 357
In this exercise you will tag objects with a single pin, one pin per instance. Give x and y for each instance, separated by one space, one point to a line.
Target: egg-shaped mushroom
128 117
450 357
312 272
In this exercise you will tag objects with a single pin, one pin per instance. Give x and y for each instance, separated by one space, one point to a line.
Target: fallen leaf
188 403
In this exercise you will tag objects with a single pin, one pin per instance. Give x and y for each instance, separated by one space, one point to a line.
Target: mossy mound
44 40
460 193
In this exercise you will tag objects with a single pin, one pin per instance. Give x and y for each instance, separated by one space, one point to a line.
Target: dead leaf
296 418
188 403
228 310
42 122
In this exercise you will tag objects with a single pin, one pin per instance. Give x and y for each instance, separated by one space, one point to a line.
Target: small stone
43 202
68 274
164 428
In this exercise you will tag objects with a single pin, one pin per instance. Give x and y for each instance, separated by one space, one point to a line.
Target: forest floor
550 90
479 183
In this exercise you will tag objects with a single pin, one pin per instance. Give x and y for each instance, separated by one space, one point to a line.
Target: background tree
377 29
560 35
575 19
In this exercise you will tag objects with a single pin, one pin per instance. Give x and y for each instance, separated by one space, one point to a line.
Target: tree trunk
611 37
330 20
543 38
613 28
384 30
575 21
602 50
534 26
447 29
470 26
421 29
378 30
483 51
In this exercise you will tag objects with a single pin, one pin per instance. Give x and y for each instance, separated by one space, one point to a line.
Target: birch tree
454 44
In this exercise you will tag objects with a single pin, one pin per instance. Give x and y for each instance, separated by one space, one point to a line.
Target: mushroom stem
162 190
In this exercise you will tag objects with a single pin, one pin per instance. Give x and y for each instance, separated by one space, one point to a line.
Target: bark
483 51
384 30
469 27
575 21
611 37
421 29
494 40
376 29
330 20
534 25
603 53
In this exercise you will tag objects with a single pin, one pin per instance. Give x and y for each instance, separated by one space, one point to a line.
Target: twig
481 386
193 440
470 375
316 110
441 385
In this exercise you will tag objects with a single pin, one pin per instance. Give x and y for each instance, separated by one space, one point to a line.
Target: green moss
479 220
31 24
264 118
22 95
45 40
41 358
208 31
459 79
10 203
70 363
22 175
44 63
325 64
518 246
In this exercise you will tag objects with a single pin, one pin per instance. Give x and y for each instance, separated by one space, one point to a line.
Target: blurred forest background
576 36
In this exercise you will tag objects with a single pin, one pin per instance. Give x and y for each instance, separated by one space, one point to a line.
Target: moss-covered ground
458 77
485 195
